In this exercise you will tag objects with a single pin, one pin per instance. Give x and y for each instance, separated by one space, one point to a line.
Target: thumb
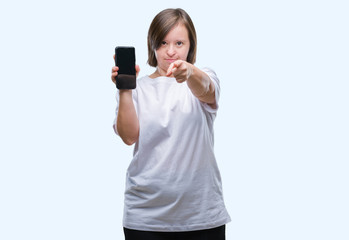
138 69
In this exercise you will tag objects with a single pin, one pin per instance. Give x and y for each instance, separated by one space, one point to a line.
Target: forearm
201 85
127 121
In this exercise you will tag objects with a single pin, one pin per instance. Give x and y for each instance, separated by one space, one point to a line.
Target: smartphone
125 59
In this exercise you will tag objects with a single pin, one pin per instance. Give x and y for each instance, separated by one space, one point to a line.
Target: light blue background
281 135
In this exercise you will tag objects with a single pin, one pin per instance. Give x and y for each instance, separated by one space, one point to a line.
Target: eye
179 43
163 43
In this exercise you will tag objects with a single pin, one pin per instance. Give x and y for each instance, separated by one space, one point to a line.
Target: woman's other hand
181 70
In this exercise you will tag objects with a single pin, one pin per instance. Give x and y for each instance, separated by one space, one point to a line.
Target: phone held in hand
125 59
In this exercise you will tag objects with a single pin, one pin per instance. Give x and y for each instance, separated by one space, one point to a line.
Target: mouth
170 60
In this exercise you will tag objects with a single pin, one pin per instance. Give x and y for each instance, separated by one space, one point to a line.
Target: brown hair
162 25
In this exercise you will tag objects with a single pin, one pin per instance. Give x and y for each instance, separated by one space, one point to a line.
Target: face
175 46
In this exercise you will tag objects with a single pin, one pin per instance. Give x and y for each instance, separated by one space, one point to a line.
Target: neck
159 73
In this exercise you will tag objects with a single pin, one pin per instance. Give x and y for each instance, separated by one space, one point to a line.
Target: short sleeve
215 81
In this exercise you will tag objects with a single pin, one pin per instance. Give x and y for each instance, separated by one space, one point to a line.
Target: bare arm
202 86
127 124
198 81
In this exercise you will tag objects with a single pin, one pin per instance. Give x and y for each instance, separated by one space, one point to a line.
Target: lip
170 60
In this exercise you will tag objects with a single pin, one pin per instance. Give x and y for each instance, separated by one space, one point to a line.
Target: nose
171 50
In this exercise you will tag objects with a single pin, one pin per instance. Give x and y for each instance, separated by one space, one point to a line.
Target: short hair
162 25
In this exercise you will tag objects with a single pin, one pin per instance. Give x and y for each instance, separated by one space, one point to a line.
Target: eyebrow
177 40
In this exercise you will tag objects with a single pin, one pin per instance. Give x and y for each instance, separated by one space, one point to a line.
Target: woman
173 185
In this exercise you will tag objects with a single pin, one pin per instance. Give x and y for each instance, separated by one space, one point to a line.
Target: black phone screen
125 59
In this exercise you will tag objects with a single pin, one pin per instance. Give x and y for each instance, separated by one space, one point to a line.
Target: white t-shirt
173 182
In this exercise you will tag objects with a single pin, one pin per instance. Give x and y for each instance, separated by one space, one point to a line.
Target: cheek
184 54
158 54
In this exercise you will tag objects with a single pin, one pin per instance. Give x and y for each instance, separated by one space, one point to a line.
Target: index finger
170 69
173 67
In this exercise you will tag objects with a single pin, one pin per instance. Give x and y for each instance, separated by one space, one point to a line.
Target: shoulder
208 70
212 74
143 82
143 78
